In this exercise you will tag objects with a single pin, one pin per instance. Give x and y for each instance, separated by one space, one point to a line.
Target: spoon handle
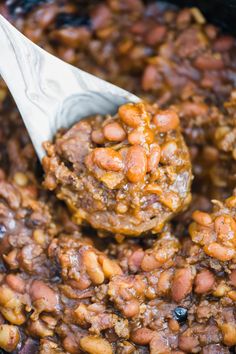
21 67
50 93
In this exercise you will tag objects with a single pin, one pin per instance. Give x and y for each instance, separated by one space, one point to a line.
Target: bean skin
93 268
136 164
208 62
202 218
114 132
135 260
232 277
164 282
168 152
158 344
224 43
92 345
16 283
219 252
97 136
204 281
108 159
133 115
229 334
188 343
224 224
154 157
156 35
142 336
9 337
141 136
131 308
42 292
149 79
166 120
182 284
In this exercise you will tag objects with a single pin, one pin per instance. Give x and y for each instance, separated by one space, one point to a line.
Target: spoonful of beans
50 93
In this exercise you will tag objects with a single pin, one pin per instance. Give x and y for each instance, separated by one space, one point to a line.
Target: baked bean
39 237
164 282
70 344
150 78
168 152
136 137
16 283
156 35
46 16
131 308
229 334
9 337
232 295
71 36
173 325
204 281
6 295
166 120
21 179
141 136
223 43
210 153
209 62
110 268
222 253
93 268
202 218
149 263
11 259
15 314
101 17
97 136
188 343
108 159
11 306
221 289
142 336
135 260
232 277
33 33
125 45
39 328
95 345
224 224
211 31
114 132
136 164
183 18
182 284
133 115
159 344
194 109
221 132
44 296
153 158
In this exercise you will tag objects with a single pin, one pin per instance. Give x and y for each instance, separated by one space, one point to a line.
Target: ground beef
125 174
